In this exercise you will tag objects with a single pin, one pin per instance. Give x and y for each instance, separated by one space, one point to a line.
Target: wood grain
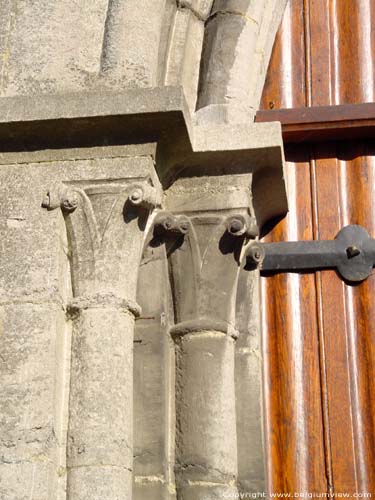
319 332
323 123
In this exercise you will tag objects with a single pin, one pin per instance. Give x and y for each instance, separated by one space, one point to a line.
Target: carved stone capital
105 224
62 197
206 259
166 223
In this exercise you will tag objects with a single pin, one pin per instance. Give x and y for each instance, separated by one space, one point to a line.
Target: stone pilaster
205 265
105 224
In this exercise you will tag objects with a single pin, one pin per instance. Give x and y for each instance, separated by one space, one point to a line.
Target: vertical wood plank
294 427
324 55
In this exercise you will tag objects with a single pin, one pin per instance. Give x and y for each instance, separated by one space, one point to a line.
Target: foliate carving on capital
62 197
105 221
240 225
205 260
166 223
144 195
67 197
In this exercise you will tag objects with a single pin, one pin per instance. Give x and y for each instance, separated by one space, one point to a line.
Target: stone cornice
185 145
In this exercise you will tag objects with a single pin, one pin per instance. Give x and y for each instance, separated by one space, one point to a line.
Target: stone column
238 40
205 265
105 224
206 415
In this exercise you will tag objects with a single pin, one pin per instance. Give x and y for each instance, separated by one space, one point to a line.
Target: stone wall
91 113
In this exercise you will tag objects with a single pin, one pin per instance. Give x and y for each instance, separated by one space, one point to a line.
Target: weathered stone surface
100 482
22 480
185 54
35 336
190 146
235 56
32 404
30 260
200 8
205 263
141 44
248 380
207 492
105 221
152 488
40 41
153 382
150 404
131 42
67 418
205 409
99 448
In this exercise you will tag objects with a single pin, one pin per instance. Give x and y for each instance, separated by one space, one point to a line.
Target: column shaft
206 442
99 455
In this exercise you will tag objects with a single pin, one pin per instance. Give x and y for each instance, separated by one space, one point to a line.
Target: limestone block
229 42
35 343
201 146
153 383
185 54
31 435
253 10
201 8
149 400
150 406
22 481
238 40
151 489
100 483
99 447
248 381
207 492
205 379
131 42
251 465
100 381
49 45
31 236
166 35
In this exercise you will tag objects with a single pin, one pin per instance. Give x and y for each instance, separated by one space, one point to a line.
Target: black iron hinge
351 253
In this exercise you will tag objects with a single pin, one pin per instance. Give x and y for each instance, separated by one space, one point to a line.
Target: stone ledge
187 145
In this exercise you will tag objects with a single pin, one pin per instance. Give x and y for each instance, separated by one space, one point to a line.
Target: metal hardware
352 253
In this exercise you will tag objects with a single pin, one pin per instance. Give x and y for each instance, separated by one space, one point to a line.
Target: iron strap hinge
351 253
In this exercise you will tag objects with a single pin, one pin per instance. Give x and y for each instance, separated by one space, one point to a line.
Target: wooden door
318 332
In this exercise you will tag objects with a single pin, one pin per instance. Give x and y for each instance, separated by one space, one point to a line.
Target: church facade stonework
134 183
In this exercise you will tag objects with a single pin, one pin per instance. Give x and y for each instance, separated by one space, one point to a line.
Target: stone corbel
105 225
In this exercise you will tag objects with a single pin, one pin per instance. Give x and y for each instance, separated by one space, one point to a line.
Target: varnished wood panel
323 123
319 332
292 391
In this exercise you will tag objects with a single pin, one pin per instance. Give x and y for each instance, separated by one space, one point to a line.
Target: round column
206 442
100 434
